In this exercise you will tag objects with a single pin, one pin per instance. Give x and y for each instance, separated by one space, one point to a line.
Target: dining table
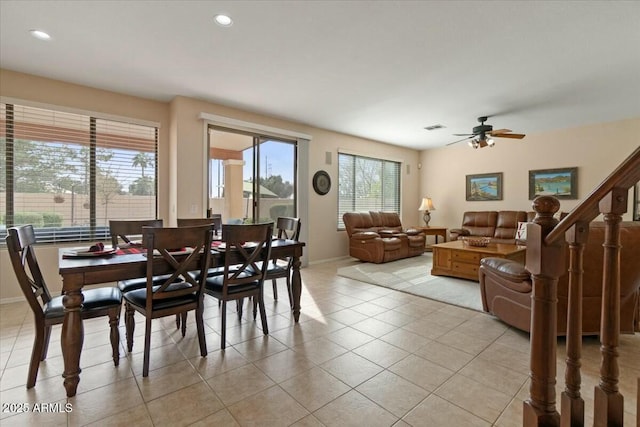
79 271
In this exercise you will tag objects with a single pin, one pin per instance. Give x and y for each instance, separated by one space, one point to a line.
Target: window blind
68 174
367 184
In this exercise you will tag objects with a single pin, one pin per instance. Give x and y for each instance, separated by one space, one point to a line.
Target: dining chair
215 219
287 228
247 250
180 292
48 310
125 230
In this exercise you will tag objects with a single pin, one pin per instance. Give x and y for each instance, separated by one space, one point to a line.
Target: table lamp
426 206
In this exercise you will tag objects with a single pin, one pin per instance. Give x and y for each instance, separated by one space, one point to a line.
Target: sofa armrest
367 246
386 233
392 233
506 268
454 233
413 232
365 235
363 230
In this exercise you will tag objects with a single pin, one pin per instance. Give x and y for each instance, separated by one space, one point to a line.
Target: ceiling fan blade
460 140
493 132
464 134
509 135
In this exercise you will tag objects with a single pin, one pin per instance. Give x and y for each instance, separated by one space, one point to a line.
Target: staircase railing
546 238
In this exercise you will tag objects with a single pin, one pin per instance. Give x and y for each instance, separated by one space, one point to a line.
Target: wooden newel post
546 264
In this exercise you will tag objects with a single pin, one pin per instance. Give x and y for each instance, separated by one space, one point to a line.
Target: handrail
546 263
624 176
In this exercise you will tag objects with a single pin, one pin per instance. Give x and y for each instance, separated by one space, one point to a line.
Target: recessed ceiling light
223 20
40 34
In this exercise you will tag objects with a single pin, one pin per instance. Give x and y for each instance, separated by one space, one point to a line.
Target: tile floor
361 355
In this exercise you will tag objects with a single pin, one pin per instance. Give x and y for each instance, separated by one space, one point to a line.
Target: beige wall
324 241
56 93
182 152
595 149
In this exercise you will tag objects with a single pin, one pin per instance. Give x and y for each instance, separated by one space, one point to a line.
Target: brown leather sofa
379 237
506 285
499 226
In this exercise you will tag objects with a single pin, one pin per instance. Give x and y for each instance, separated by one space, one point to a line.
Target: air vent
434 127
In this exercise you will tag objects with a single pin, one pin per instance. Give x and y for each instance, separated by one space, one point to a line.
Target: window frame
353 183
96 140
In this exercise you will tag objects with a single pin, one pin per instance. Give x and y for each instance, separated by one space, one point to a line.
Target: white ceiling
377 69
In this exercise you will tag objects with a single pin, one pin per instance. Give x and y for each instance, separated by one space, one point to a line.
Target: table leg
296 287
71 340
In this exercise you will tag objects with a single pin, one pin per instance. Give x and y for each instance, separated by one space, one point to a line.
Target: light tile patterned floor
361 355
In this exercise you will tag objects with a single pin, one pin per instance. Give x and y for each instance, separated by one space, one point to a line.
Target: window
68 174
367 184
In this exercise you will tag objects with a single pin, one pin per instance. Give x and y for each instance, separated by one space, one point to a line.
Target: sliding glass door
273 178
252 178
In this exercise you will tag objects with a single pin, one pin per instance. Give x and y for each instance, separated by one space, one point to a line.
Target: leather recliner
500 226
506 285
379 237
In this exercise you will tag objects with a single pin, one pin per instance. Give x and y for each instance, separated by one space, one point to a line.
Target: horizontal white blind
367 184
125 171
68 174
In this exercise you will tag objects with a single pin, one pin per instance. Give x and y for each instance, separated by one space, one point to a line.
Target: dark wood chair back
172 288
125 230
251 248
215 220
48 310
20 241
168 244
247 250
287 228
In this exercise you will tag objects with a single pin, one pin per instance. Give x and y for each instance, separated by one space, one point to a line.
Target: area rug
413 275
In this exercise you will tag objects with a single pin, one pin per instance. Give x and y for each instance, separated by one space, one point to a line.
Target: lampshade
426 205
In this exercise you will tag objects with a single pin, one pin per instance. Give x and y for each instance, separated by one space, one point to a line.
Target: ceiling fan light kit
480 143
483 135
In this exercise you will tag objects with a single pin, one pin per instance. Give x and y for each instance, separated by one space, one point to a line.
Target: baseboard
11 300
324 261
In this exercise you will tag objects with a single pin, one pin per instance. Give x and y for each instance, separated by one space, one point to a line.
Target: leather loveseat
499 226
506 285
379 237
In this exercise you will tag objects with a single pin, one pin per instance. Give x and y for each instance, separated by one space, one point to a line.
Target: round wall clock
321 182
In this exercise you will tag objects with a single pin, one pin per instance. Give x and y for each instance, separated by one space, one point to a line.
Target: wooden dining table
77 272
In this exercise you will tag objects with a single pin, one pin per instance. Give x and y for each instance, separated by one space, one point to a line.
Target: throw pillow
521 232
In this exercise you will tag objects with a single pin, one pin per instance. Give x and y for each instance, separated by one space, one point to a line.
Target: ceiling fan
483 135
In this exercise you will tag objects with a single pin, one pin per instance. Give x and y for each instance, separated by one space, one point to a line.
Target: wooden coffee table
459 260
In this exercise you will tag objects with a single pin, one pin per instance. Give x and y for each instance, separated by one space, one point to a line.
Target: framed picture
562 183
486 186
636 202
